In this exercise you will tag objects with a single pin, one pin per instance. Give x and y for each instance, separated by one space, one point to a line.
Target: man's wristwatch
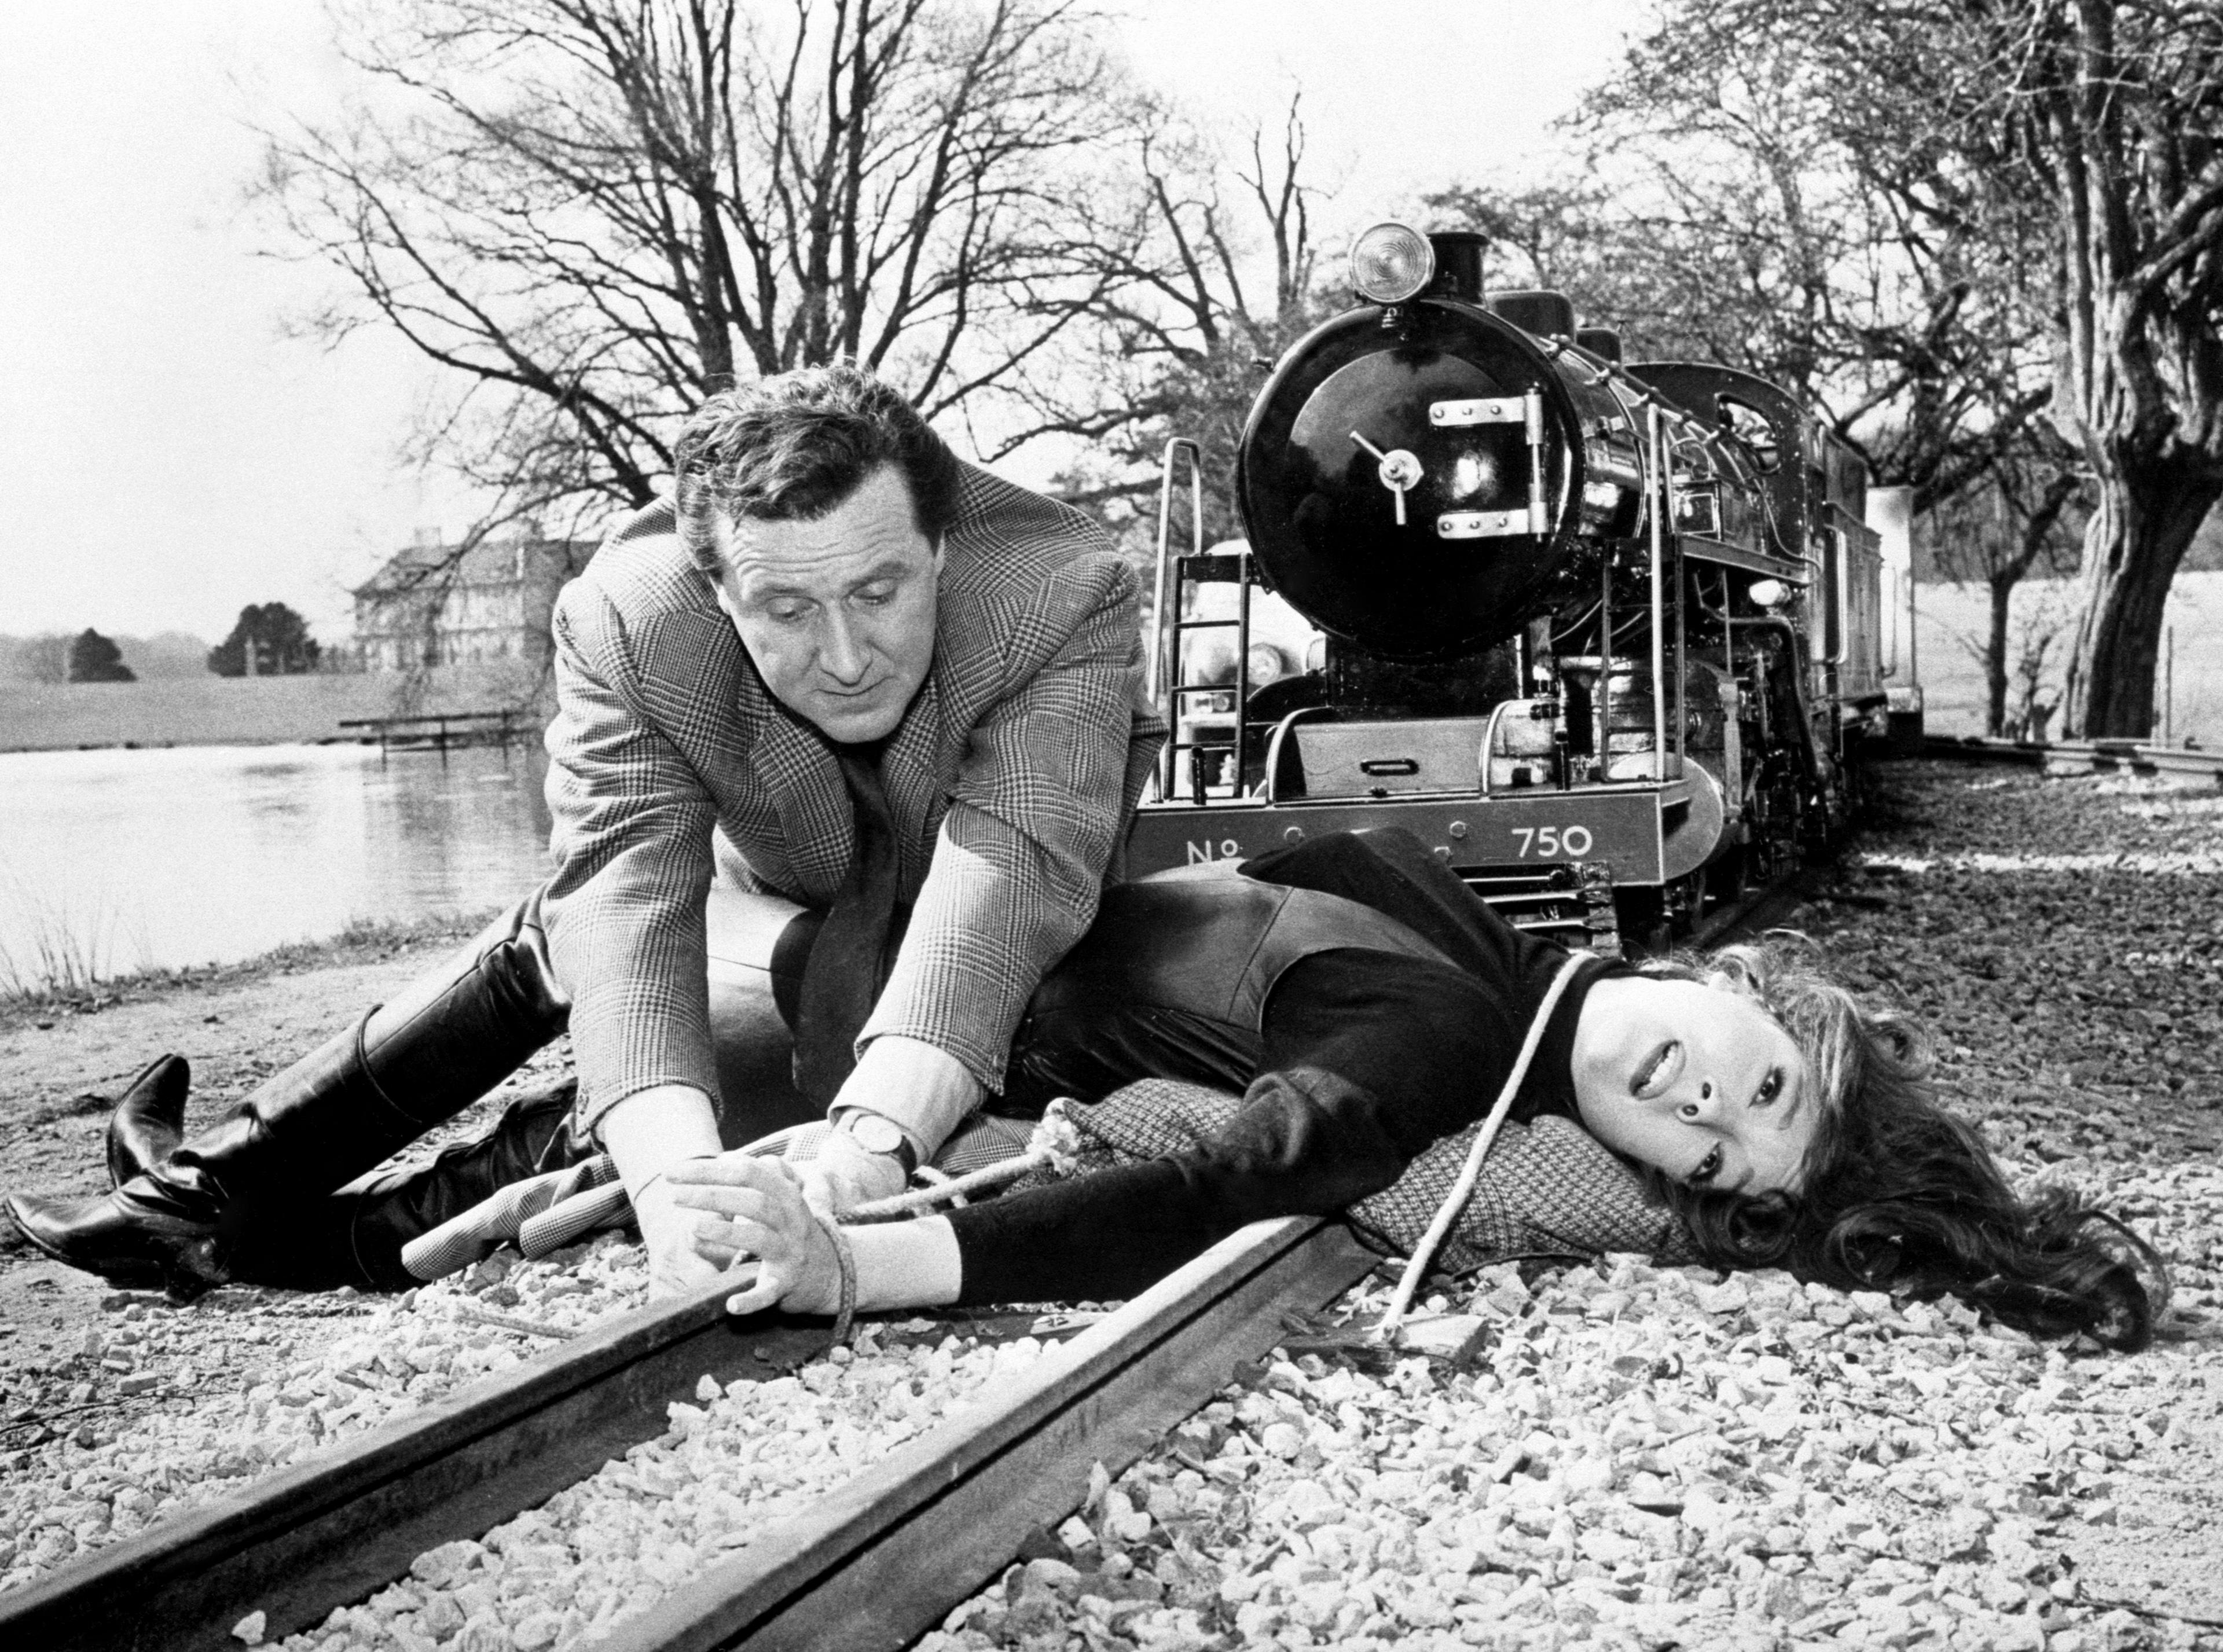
876 1134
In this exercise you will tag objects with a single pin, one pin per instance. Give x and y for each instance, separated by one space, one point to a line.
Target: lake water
132 860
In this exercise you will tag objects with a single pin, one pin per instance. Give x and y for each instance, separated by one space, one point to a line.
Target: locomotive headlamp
1264 664
1768 592
1390 262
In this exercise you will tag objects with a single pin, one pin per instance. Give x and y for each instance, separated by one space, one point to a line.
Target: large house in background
438 604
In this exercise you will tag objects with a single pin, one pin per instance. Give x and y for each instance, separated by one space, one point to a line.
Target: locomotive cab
1594 631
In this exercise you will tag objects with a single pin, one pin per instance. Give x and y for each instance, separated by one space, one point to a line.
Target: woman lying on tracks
1367 1005
1785 1123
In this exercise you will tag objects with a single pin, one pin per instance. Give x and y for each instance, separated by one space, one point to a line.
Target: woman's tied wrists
845 1257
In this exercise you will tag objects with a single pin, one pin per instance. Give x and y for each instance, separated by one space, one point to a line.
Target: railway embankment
1613 1454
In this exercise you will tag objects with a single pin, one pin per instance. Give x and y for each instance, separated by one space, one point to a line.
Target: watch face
878 1135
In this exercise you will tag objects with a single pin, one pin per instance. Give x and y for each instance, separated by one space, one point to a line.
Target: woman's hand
750 1206
650 1135
677 1265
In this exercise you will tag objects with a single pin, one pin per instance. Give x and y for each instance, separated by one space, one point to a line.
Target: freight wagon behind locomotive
1604 634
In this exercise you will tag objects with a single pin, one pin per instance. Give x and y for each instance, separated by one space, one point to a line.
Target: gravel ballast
1623 1455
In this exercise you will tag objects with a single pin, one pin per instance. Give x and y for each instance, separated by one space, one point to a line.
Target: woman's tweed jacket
1011 779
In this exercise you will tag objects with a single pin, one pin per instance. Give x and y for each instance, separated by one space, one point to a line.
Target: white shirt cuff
906 1264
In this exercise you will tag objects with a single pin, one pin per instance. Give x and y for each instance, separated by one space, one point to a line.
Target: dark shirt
1363 1059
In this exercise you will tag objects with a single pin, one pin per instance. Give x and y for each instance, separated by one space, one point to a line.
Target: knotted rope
1054 1146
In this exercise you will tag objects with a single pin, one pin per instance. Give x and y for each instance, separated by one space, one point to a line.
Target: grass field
1953 681
244 711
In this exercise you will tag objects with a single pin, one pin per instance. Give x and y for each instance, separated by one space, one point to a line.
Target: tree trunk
1995 655
2147 518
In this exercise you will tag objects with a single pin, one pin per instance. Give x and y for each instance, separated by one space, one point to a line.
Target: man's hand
925 1090
845 1174
652 1133
754 1206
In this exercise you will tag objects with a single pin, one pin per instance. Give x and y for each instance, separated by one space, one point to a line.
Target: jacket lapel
918 774
807 794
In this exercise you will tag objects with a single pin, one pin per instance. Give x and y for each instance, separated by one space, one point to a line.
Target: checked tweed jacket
1011 779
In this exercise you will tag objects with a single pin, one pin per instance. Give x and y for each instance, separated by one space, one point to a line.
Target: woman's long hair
1900 1195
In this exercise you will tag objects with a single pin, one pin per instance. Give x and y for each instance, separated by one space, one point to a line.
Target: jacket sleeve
1042 797
1305 1142
632 843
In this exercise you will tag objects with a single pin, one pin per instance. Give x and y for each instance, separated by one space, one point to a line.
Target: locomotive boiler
1604 634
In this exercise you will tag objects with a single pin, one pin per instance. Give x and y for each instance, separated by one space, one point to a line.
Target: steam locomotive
1605 634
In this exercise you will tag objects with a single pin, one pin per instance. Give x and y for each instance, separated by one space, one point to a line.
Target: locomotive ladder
1165 686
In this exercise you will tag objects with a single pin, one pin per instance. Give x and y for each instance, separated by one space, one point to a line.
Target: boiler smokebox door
1352 412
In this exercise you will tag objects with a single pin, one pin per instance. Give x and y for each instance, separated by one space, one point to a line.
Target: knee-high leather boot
150 1119
450 1038
356 1236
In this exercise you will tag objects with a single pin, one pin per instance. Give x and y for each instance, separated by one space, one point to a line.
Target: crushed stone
1628 1457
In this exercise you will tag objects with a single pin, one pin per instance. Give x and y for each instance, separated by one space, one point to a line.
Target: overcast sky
167 454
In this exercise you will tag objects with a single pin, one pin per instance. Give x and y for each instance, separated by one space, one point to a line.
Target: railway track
874 1564
2084 757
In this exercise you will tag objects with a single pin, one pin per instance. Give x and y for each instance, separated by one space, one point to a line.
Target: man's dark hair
794 447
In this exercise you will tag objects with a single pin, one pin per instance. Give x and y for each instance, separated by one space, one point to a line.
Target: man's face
837 614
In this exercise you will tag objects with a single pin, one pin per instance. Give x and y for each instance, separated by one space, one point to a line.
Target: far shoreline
366 940
160 712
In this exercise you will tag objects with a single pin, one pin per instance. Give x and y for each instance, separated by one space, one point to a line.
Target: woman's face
1697 1079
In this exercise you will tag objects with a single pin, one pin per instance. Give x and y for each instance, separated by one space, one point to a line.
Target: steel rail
881 1559
876 1563
2079 757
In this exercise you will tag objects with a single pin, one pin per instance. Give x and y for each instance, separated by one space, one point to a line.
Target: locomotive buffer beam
1621 829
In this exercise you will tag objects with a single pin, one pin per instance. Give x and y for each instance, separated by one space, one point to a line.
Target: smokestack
1459 263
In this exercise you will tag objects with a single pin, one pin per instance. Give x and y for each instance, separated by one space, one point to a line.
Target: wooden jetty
440 730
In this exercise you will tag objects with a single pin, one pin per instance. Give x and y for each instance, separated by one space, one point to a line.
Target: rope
954 1189
472 1311
1053 1146
1424 1253
846 1254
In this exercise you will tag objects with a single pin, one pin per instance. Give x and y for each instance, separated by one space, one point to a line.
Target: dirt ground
61 1067
2057 1088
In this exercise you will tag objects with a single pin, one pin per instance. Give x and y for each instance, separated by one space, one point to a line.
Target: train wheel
1686 903
1727 880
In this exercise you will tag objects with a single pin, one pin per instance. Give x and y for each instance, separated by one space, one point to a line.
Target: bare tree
2032 712
2123 118
596 213
1216 276
2099 124
2025 518
1720 214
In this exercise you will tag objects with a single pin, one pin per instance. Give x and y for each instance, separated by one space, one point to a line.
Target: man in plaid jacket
828 585
986 635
